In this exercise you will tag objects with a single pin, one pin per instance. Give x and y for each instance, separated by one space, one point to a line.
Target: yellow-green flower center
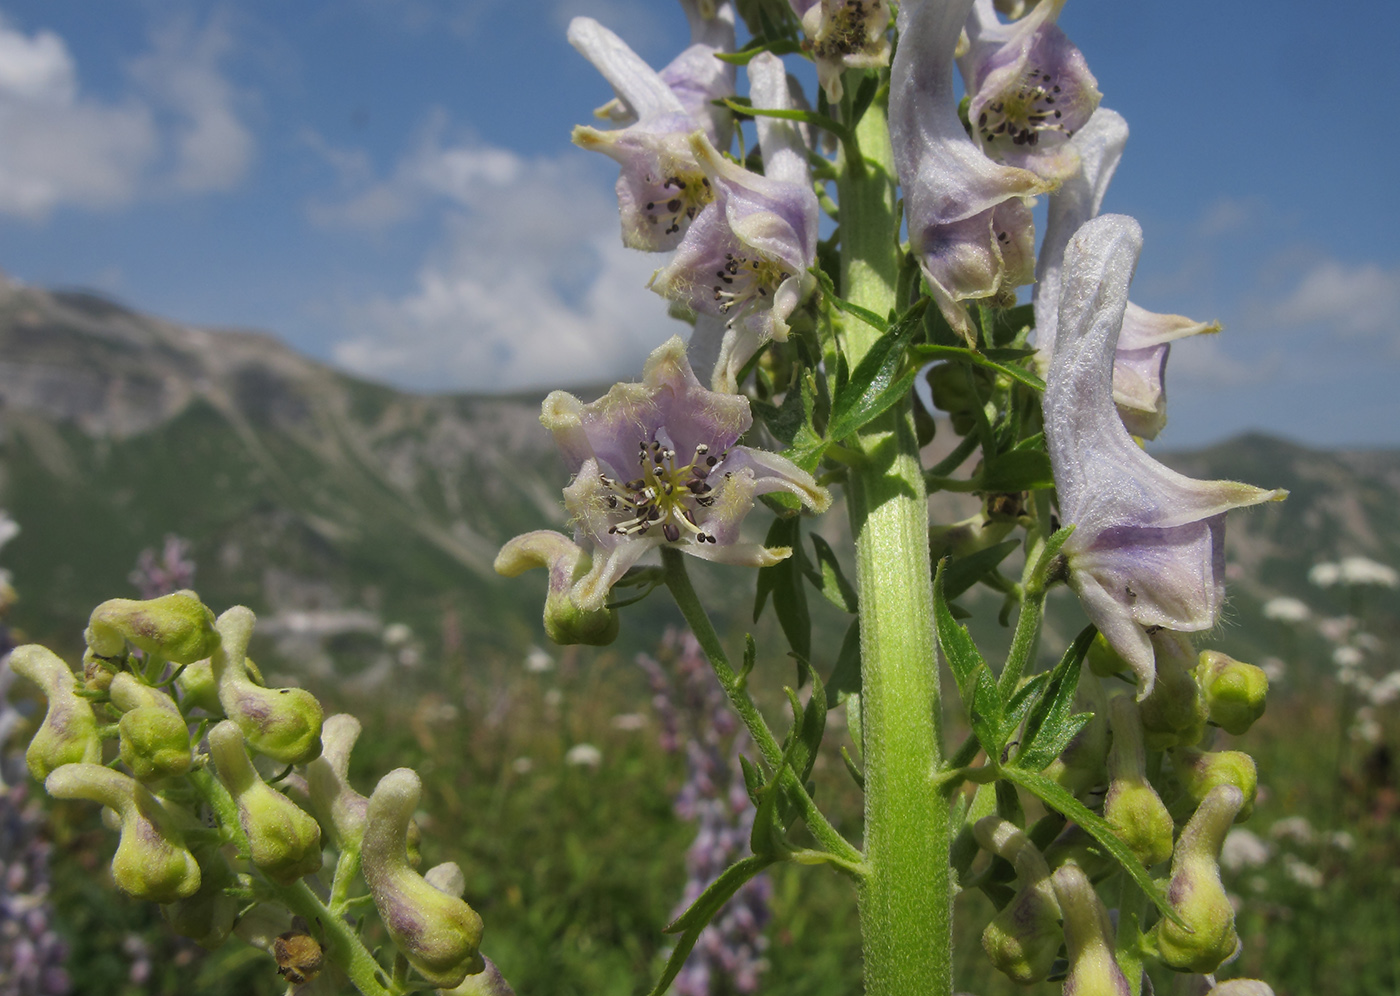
1023 111
666 495
679 196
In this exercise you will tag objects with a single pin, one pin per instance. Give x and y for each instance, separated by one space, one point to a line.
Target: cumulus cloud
1358 299
176 126
528 286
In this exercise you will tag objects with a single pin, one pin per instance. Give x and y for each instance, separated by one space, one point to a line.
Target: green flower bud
1023 939
1175 711
1103 660
438 933
179 627
68 734
98 671
198 687
564 622
340 807
1132 806
1196 893
152 861
283 841
1075 846
281 723
1093 971
1081 765
155 742
1235 692
207 916
952 391
959 539
489 982
1200 771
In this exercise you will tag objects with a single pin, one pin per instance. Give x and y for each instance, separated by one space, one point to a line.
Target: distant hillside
350 506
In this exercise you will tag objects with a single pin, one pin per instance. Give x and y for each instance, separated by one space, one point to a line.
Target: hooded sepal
68 733
1196 893
568 563
1093 971
1148 547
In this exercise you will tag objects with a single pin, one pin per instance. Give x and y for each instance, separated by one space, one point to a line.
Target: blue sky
388 185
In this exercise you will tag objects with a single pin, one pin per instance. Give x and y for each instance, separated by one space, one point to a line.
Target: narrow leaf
1048 724
829 294
877 381
784 582
1017 470
985 713
965 355
690 923
964 572
831 581
813 724
954 640
1053 795
845 675
746 54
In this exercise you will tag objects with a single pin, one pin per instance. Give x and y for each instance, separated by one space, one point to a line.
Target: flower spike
1147 552
656 464
661 188
968 223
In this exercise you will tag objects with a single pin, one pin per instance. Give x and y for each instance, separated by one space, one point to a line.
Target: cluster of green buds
229 794
1140 806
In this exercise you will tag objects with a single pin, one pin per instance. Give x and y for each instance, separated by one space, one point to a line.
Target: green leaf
971 356
829 295
784 581
746 54
986 713
1051 726
805 444
831 582
1002 325
806 117
1009 808
954 640
877 381
1053 795
753 779
1056 540
963 850
1022 699
750 657
690 923
964 572
1017 470
845 675
813 724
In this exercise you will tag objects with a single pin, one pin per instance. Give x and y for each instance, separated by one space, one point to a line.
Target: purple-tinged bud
1241 987
155 742
340 807
438 933
488 982
958 539
1081 766
1075 846
283 841
1235 692
68 734
98 671
179 627
1201 771
152 861
1196 893
281 723
1093 971
1174 712
1132 805
564 622
1023 939
207 916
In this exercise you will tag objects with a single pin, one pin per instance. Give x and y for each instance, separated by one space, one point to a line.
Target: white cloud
66 147
529 285
1359 299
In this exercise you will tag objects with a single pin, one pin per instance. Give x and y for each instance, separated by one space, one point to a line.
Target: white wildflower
1302 872
538 661
1285 609
1243 849
1362 570
629 721
1296 829
583 755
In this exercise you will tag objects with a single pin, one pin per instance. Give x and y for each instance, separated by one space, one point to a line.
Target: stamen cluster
664 495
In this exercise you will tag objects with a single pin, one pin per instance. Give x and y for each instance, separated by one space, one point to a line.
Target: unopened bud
1132 805
198 687
283 841
68 734
179 627
340 807
1081 766
1174 713
953 391
1093 971
1201 771
439 934
487 982
98 671
155 742
1196 893
281 723
564 622
1023 939
152 861
1103 660
207 916
958 539
1235 692
1076 846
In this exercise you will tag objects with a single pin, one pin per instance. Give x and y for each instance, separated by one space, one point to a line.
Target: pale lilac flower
746 257
661 187
969 225
1147 552
1029 89
657 464
844 34
1140 359
174 571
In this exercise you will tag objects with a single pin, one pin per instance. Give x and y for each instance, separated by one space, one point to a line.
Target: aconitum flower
746 257
1140 360
844 34
657 464
969 225
1029 89
1147 550
661 188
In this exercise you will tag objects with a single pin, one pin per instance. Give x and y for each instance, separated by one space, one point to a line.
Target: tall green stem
905 902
